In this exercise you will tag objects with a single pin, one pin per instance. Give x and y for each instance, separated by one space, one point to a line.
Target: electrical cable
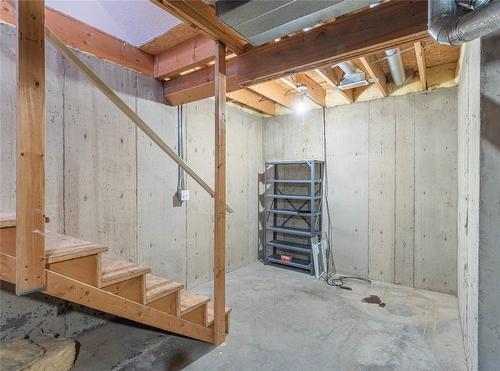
330 278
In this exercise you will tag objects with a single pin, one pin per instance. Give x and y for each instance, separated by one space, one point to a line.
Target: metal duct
396 66
352 76
449 29
261 21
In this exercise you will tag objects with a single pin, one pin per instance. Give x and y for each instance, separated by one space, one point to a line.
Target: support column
220 195
30 150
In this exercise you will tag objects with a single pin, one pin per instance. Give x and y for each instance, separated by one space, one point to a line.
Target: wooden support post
220 195
30 150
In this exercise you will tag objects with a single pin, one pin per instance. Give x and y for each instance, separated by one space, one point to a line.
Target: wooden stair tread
210 312
158 287
59 247
7 219
191 301
116 270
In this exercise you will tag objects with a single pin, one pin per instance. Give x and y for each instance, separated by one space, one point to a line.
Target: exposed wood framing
254 100
66 288
275 92
332 78
403 22
30 148
314 90
220 195
201 15
85 38
375 72
191 53
122 106
419 52
169 39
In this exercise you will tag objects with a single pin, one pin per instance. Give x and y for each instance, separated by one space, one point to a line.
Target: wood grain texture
201 15
314 91
193 52
275 92
331 76
355 36
420 55
30 148
375 71
254 101
88 39
173 37
220 195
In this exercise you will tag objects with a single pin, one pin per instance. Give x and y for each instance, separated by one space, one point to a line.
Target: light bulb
301 107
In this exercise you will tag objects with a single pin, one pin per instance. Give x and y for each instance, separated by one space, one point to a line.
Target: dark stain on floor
373 299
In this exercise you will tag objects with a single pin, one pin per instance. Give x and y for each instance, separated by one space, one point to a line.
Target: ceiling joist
404 22
192 53
332 77
420 54
375 72
202 15
314 90
254 100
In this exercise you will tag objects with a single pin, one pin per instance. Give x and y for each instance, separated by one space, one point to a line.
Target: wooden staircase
84 273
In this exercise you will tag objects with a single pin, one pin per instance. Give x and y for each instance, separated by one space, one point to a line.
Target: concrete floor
284 320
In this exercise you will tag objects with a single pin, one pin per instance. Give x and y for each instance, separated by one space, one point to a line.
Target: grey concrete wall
392 183
107 182
489 206
468 198
479 202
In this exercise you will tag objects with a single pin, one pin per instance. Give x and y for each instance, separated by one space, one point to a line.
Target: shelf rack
293 195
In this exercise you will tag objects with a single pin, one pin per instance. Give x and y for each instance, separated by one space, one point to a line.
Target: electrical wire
330 278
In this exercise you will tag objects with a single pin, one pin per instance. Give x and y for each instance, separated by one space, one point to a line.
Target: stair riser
86 269
227 324
169 304
8 241
198 316
133 289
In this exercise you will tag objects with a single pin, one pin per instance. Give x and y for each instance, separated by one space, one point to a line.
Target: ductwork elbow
449 29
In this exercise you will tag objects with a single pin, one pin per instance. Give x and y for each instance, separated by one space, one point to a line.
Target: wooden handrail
122 106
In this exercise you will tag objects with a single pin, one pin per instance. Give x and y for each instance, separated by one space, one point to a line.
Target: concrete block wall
107 182
479 202
392 183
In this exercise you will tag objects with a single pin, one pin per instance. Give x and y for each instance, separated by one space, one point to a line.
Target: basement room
250 185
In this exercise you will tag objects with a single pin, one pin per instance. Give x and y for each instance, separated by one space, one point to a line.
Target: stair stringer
77 292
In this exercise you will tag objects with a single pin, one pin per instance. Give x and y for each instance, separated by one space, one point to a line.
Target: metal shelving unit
293 195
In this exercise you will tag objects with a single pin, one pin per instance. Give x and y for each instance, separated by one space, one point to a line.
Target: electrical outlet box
183 195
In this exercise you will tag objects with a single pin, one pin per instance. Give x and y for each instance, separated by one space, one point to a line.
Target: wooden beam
275 92
314 91
351 37
419 51
332 78
169 39
80 36
201 15
254 100
122 106
220 196
30 147
375 71
194 52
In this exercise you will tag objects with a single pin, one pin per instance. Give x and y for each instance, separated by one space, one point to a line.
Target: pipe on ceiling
396 66
449 29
